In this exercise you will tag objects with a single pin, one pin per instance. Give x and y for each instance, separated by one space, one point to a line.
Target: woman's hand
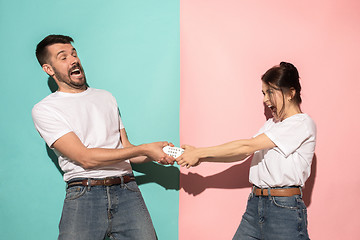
190 157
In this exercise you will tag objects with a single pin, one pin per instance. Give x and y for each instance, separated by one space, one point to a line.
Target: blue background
130 48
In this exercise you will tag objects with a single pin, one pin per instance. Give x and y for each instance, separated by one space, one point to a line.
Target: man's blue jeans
118 212
273 218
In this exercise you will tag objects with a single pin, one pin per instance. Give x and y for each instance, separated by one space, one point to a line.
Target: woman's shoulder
302 119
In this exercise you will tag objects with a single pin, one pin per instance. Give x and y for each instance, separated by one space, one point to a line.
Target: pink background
225 46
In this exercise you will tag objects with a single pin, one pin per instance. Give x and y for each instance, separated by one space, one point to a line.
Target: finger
163 161
184 163
170 160
171 144
160 162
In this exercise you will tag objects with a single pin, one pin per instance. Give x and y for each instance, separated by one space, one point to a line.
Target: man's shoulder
45 101
100 91
101 94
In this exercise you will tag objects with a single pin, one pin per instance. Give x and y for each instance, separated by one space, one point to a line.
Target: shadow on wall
309 185
53 158
165 176
237 176
52 85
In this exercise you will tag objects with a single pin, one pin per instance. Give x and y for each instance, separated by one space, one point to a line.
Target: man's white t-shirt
93 116
289 162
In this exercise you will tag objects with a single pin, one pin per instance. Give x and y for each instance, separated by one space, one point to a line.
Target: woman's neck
292 110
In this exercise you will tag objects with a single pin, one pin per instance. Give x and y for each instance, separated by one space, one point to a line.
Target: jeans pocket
286 202
132 186
73 193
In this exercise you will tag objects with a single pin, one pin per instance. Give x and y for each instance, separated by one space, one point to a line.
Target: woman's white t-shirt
289 162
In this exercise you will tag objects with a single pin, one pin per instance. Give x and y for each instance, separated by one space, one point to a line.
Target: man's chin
78 82
78 85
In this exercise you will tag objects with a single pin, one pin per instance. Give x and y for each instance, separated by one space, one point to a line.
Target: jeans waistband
109 181
277 191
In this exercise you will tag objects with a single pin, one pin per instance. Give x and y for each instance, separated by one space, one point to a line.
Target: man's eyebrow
62 51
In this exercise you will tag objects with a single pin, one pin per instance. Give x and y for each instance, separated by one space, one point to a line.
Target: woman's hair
284 77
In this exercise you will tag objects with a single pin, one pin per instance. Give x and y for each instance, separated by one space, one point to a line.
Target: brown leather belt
102 182
277 192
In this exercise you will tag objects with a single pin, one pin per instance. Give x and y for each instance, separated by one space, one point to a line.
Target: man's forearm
71 146
99 157
140 159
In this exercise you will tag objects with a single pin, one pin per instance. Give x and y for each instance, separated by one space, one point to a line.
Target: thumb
186 146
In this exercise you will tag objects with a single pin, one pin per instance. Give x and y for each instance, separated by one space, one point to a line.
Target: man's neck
72 90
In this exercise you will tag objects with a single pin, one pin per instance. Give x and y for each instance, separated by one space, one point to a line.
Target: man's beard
67 78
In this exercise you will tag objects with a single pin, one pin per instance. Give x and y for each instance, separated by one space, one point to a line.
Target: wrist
144 150
201 153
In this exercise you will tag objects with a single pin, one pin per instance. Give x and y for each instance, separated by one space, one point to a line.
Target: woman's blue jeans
117 212
273 218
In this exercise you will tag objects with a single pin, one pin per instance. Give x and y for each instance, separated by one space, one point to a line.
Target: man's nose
74 60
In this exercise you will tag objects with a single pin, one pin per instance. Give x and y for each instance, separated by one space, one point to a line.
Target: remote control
173 151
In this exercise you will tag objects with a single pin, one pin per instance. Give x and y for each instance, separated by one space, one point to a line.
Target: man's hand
156 153
189 158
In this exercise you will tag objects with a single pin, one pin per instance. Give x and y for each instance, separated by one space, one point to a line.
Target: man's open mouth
75 72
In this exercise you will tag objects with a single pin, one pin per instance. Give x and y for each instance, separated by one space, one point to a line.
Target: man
83 126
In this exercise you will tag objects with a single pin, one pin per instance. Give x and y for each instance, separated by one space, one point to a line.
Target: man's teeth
76 71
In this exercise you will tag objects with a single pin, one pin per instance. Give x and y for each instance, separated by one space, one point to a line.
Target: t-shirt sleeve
121 123
49 124
288 136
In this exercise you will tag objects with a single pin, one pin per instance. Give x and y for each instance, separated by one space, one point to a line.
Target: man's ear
48 69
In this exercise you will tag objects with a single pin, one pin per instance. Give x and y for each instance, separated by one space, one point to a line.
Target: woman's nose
265 98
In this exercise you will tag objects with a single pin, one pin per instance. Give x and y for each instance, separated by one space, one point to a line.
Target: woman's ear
292 93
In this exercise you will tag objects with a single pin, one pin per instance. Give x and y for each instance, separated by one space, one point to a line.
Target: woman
282 151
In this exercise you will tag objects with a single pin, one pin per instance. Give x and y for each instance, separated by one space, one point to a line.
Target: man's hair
41 49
